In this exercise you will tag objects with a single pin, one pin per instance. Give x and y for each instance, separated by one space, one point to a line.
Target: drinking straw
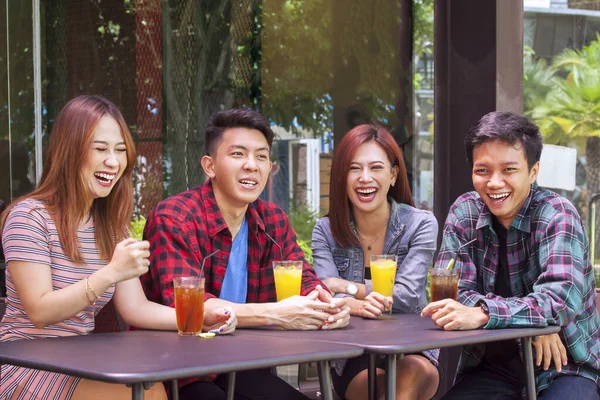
278 246
452 260
204 261
193 306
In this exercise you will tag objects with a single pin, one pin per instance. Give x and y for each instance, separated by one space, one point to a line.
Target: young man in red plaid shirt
224 224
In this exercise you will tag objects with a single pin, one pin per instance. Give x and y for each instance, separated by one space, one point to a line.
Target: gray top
411 234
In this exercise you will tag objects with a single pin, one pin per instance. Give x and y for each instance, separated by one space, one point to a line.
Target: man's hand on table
221 320
550 348
453 316
317 310
301 312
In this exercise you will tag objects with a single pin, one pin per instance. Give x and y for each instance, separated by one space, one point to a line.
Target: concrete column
478 53
478 68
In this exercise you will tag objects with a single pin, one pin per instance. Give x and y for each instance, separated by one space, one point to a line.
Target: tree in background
537 80
297 64
570 112
422 34
208 63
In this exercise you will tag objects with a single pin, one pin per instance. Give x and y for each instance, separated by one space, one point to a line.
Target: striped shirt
550 273
30 235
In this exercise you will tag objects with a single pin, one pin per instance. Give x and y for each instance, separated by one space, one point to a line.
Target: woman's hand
375 304
220 320
336 285
130 259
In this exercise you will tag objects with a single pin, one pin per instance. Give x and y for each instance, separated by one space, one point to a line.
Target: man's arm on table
173 252
284 235
557 291
295 313
556 295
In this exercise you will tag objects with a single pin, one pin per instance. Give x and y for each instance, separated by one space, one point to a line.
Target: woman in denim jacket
372 213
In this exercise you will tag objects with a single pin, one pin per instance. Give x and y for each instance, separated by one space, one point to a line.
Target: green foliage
307 51
570 112
297 64
537 80
572 109
306 248
137 227
423 26
303 221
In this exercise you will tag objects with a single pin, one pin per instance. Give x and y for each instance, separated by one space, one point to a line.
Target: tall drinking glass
444 283
288 278
383 273
189 304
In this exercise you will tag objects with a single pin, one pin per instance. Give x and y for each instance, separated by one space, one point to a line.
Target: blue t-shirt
235 283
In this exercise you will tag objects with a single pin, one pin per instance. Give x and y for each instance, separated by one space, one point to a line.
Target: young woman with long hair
373 213
68 250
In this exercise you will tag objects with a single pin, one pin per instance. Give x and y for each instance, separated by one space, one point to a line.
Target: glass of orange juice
383 273
189 304
288 278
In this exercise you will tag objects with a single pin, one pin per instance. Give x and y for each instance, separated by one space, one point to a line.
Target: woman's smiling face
106 159
369 178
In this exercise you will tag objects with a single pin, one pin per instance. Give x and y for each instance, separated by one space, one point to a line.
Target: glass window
17 168
562 89
17 149
314 68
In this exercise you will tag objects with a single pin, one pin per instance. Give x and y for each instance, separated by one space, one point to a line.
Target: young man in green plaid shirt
528 266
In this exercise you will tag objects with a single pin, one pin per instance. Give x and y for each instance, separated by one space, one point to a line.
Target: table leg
230 386
137 391
372 377
174 390
390 373
325 380
528 354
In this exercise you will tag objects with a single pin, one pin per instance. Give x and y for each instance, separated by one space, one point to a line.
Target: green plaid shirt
551 276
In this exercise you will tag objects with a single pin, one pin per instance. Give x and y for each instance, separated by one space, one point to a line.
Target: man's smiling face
502 178
240 167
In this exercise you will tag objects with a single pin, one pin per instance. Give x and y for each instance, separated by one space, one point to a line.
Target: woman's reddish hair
339 211
63 188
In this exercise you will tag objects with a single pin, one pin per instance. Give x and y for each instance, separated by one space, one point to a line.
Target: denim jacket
411 234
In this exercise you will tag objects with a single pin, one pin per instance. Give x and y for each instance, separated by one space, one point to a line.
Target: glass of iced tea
444 283
189 304
383 273
288 278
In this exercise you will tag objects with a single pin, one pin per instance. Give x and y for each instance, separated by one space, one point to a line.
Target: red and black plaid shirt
187 227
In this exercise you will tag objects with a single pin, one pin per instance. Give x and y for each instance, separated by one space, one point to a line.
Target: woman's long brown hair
63 188
339 214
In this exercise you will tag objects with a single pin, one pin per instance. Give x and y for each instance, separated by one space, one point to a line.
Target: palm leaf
567 125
